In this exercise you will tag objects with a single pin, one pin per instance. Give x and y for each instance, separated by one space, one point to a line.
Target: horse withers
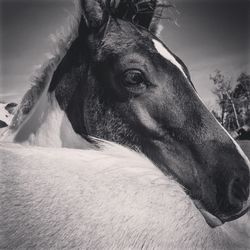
117 81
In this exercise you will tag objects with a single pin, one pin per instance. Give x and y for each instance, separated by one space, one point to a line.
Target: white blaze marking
166 54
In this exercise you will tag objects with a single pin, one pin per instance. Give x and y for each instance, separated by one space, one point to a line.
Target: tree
223 91
241 94
242 88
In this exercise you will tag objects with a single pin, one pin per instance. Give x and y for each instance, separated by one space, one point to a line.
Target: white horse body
54 198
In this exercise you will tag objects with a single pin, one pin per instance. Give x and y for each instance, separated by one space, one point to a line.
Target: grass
245 145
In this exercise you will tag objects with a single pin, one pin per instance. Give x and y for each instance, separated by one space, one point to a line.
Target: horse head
119 82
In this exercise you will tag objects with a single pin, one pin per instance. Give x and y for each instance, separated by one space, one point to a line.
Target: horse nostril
238 193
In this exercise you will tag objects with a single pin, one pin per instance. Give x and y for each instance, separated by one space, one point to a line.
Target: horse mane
41 78
148 11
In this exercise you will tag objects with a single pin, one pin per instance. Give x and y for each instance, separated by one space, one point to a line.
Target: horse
115 80
87 201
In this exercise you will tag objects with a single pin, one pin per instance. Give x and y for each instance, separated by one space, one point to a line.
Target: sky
210 35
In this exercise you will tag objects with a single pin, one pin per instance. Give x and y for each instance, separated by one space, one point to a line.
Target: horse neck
54 119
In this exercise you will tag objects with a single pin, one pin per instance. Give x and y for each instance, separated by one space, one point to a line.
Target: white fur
167 55
110 199
5 116
47 126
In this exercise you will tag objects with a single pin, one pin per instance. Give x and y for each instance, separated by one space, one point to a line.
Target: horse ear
94 12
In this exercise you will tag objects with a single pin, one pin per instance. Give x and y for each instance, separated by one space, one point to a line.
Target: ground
245 145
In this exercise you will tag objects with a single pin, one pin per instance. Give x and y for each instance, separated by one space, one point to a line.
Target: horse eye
133 78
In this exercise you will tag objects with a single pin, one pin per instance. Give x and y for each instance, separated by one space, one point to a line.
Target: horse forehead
121 35
162 50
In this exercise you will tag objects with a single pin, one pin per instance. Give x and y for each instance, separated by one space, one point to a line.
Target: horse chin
211 219
215 221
